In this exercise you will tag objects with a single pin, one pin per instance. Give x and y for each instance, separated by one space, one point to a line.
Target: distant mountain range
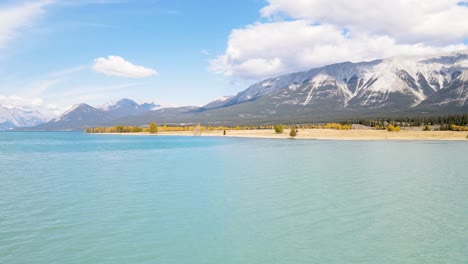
11 118
395 86
84 115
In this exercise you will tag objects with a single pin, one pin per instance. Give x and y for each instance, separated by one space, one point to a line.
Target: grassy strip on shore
326 134
382 130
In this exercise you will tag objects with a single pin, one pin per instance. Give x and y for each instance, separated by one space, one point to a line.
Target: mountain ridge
398 85
84 115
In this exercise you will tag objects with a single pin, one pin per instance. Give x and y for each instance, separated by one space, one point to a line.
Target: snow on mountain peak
370 82
106 105
128 103
11 117
115 104
73 108
463 75
222 98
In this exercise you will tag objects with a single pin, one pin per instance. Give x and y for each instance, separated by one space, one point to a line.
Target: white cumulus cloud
118 66
14 18
411 21
303 34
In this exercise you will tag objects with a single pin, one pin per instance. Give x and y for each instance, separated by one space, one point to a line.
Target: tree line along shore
426 123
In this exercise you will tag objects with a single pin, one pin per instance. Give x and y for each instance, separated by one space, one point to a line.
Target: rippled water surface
78 198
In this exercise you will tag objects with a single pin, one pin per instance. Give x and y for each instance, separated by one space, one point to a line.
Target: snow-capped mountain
77 117
394 83
84 115
217 102
150 106
127 107
396 86
11 118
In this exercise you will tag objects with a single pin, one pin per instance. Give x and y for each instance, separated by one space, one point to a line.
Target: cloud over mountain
297 35
18 101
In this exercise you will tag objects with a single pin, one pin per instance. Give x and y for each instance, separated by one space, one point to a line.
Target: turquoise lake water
78 198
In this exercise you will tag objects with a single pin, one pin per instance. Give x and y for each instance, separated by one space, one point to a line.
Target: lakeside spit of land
323 134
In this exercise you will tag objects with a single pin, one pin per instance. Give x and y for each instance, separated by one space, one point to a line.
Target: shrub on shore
458 128
392 128
293 132
114 129
336 126
278 129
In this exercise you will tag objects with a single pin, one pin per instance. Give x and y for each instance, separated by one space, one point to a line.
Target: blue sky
55 53
176 38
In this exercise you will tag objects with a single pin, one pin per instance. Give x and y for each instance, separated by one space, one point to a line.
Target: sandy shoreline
325 134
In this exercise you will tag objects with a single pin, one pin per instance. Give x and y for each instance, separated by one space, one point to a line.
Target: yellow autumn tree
293 132
153 128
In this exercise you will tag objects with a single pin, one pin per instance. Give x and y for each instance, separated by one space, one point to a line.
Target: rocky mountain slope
395 83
